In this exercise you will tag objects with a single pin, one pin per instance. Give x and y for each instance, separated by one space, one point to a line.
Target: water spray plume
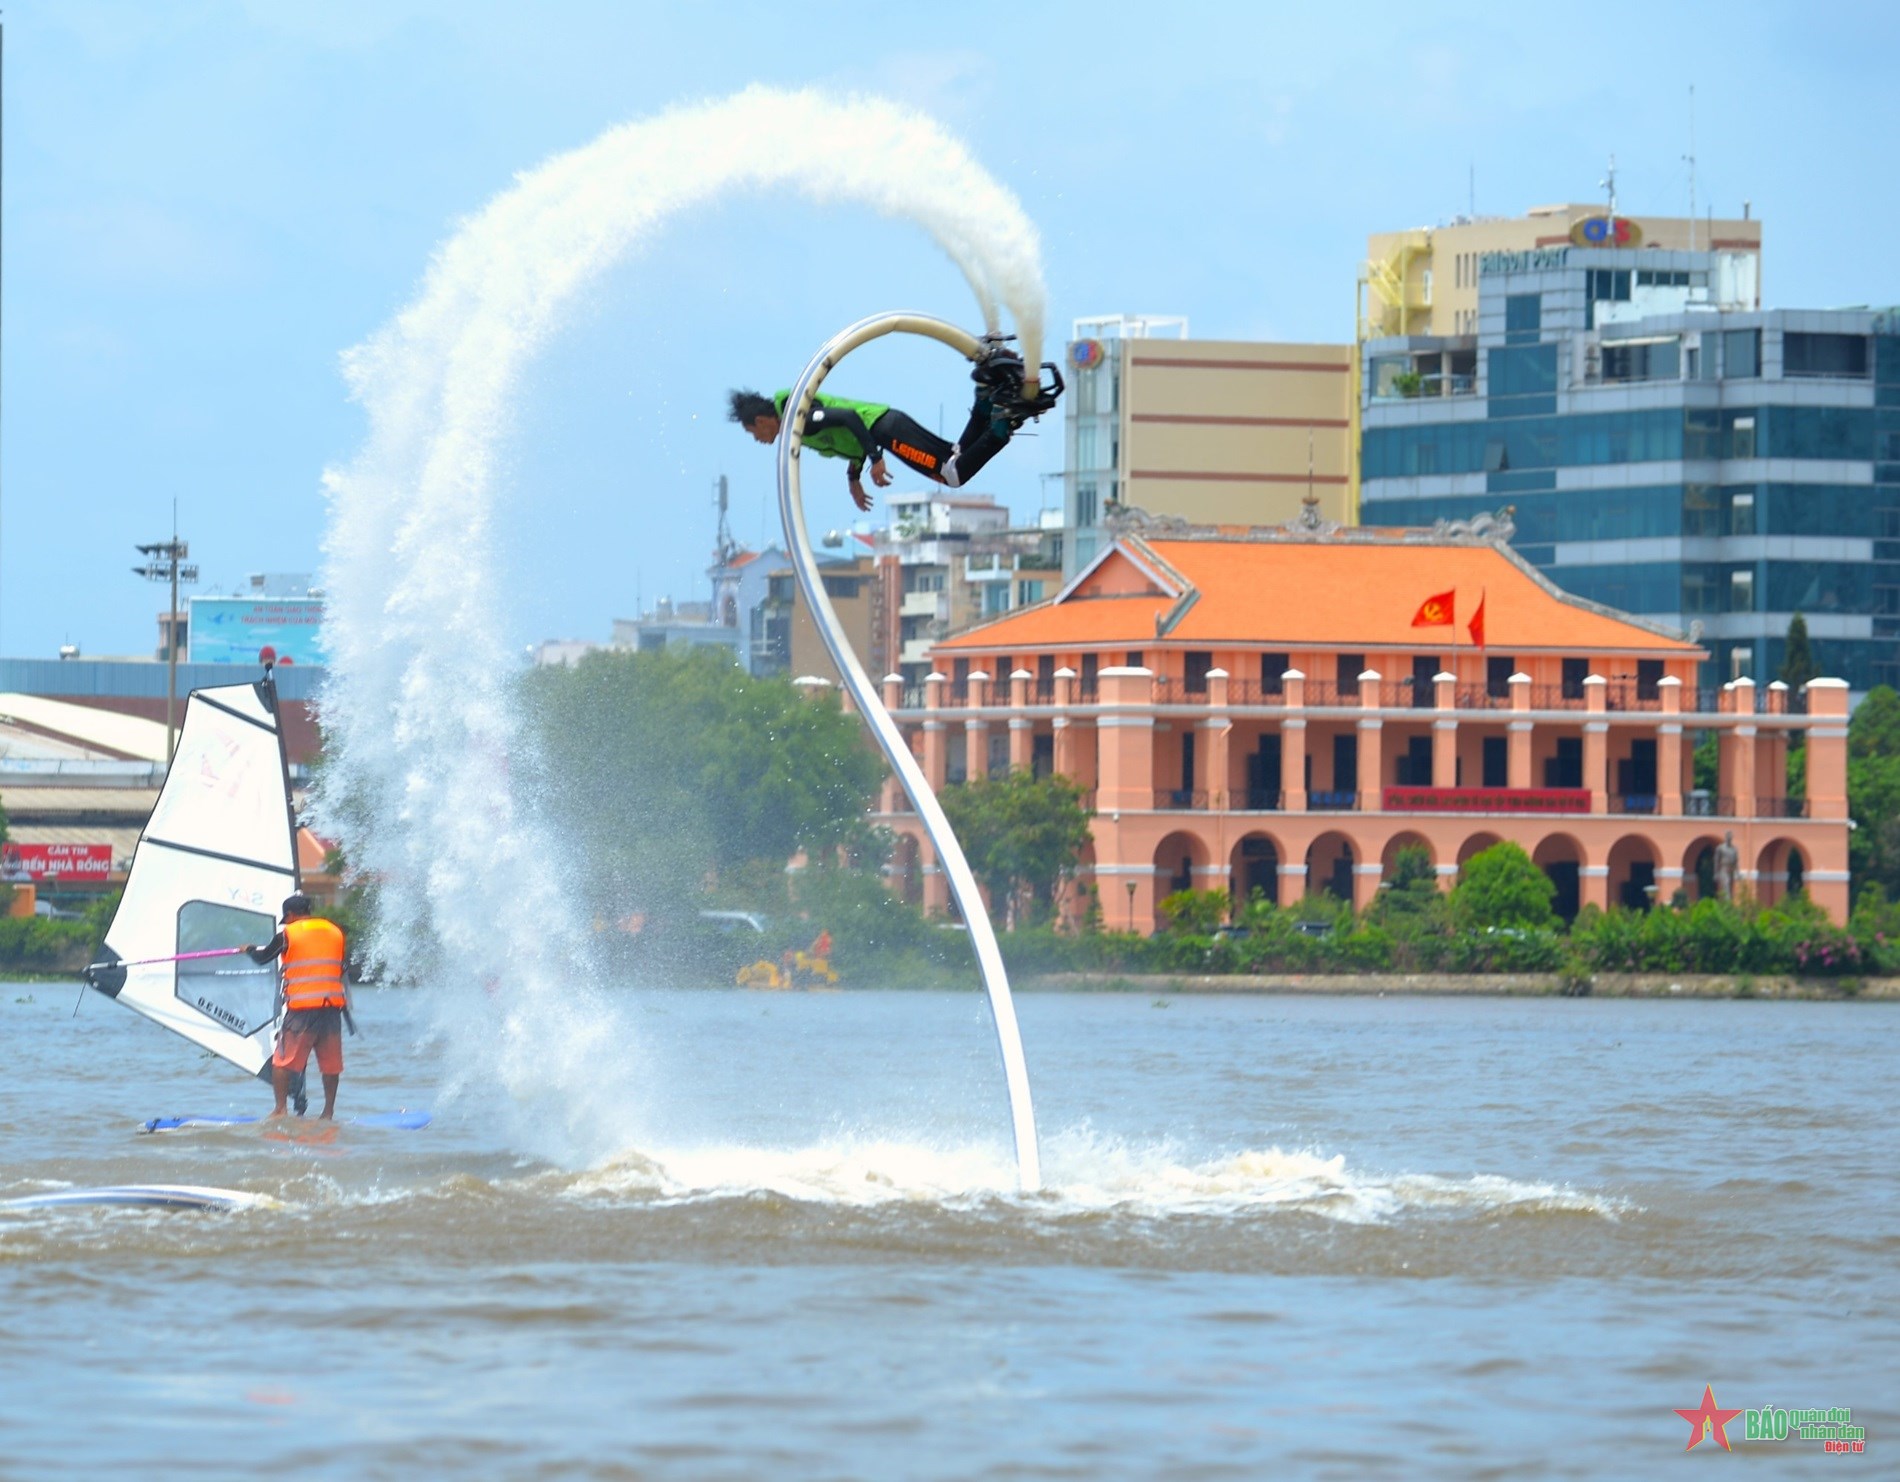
419 712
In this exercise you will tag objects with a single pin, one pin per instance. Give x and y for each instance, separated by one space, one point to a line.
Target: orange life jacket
313 964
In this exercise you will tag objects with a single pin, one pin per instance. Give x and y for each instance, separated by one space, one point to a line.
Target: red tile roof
1354 594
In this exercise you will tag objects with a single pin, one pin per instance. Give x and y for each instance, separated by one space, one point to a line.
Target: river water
1291 1236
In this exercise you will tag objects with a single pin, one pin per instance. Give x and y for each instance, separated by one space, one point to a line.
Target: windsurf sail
211 870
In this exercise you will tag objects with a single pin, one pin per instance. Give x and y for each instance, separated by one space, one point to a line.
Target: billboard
234 630
41 862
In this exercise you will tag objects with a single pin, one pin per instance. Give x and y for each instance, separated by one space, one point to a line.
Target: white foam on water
1083 1173
418 711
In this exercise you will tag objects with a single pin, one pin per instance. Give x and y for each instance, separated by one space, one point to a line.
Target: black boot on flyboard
1013 398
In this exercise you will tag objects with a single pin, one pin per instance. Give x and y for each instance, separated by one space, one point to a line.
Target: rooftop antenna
1608 183
724 546
1690 157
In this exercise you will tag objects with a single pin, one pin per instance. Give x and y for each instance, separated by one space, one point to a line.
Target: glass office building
1663 450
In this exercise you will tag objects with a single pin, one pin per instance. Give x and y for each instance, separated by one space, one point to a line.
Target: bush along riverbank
1497 922
34 947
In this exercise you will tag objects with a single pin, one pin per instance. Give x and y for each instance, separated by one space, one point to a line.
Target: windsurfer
316 1001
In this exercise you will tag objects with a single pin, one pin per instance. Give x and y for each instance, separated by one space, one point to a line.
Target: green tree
1023 836
1196 912
1797 668
1410 893
1501 887
1797 664
1873 792
669 770
1875 728
1708 763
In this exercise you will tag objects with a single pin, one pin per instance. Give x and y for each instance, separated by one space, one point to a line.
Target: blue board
407 1121
146 1196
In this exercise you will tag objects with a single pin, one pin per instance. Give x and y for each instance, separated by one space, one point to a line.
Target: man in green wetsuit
862 432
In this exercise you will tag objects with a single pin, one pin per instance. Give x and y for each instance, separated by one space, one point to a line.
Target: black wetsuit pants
941 462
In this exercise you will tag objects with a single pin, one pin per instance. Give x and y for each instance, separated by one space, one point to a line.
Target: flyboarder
863 432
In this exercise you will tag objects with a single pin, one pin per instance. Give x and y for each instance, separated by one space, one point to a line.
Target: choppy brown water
1308 1238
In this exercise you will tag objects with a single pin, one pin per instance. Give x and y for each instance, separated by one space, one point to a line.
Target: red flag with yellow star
1434 612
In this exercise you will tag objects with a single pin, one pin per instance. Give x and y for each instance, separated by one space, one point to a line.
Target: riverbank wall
1492 985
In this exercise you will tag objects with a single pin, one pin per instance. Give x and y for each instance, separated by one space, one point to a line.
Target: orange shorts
311 1029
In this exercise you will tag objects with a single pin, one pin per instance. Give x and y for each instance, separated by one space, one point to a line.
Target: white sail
212 868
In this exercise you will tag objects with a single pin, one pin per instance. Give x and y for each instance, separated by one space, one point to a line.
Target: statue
1132 519
1308 522
1499 528
1727 859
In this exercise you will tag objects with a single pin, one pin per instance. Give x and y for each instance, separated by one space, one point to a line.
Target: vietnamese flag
1434 612
1476 628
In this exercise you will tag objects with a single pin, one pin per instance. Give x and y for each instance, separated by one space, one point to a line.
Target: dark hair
749 406
299 903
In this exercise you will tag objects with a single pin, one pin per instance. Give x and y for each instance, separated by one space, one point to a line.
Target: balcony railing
1629 694
1172 691
1619 695
1180 799
1332 801
1261 800
1633 802
1783 807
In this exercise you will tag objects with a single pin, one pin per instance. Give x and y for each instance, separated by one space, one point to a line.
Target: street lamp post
165 561
1131 905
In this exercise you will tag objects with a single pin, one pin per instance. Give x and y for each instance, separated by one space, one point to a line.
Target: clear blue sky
206 202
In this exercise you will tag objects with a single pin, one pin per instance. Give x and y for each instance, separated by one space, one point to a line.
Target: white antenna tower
1690 157
725 547
1608 183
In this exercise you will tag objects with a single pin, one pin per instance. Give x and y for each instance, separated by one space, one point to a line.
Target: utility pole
166 563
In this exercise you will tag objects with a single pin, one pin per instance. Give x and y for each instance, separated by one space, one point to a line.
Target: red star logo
1706 1421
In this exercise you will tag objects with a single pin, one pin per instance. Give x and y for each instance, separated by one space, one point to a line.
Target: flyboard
146 1196
216 859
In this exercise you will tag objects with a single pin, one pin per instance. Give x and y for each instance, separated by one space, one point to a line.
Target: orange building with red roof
1283 710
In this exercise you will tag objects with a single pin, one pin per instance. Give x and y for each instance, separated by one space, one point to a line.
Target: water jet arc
791 504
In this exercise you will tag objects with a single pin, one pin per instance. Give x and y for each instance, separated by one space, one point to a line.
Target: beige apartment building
1425 281
1215 432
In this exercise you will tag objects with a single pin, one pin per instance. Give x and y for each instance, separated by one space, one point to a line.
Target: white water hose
950 858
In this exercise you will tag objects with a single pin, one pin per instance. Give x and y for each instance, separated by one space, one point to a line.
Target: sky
206 202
